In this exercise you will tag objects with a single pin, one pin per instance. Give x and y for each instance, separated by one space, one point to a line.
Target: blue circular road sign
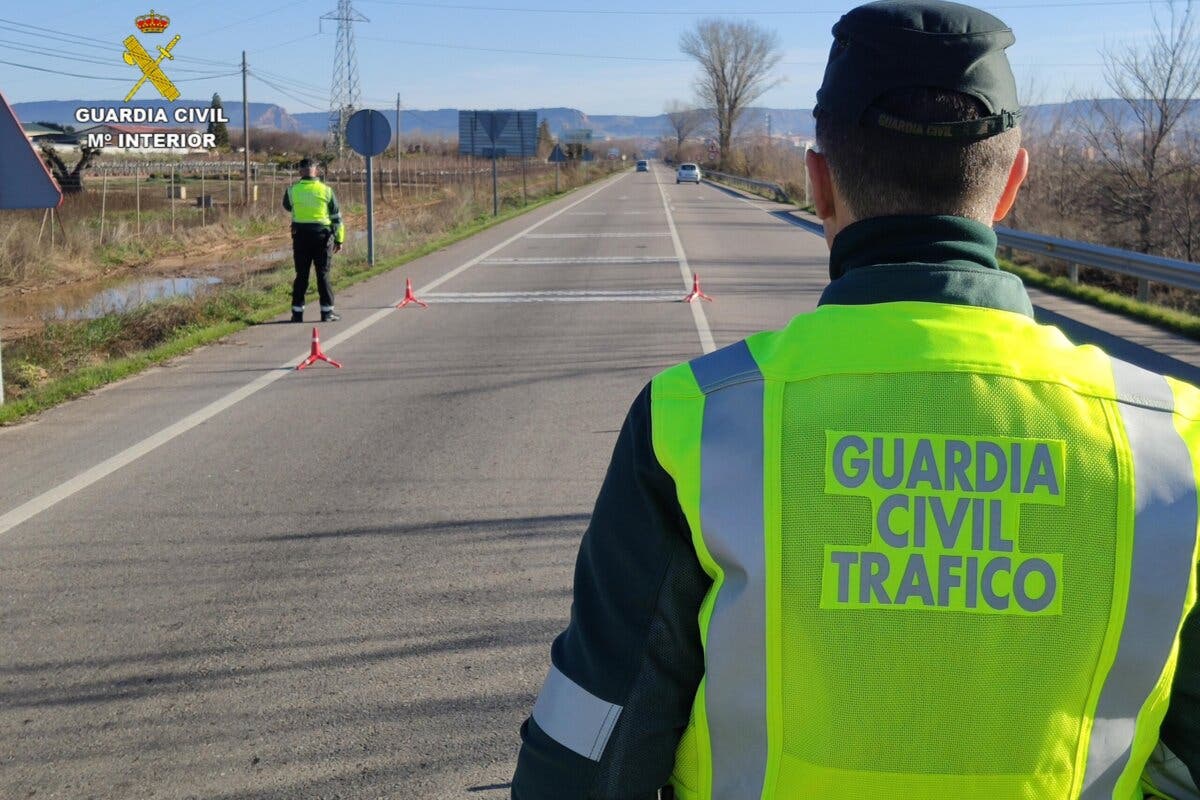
368 132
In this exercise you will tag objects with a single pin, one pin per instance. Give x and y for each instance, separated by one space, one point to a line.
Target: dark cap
906 44
305 163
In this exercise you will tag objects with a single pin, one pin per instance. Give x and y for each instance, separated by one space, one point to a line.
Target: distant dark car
642 166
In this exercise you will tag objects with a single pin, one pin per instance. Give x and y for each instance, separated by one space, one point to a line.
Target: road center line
53 497
706 338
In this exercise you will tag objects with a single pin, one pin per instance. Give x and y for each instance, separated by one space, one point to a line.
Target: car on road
688 172
642 166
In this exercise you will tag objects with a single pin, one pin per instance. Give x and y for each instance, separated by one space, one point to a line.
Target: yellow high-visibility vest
951 556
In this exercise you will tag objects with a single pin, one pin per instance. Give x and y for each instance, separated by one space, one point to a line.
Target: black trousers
312 245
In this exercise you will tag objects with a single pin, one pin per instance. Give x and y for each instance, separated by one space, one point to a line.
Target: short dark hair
305 163
880 173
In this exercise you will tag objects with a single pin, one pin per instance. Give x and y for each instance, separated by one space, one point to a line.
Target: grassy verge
1178 322
70 359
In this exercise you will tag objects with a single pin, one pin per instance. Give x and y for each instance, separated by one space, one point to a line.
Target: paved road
225 579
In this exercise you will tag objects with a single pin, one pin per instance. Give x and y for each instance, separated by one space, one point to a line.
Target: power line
88 41
284 44
235 23
605 57
24 48
284 92
124 79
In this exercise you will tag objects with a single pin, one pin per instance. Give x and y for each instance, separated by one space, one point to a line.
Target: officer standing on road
316 229
914 546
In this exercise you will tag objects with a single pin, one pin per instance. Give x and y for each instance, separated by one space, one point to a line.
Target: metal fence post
103 203
1143 290
174 191
1073 272
203 210
137 193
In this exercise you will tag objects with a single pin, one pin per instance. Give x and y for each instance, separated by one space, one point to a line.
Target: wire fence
131 210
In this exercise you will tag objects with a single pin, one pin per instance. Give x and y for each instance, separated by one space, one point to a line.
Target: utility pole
245 137
397 140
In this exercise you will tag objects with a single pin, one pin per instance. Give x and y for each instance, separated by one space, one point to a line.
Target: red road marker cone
317 354
695 293
409 297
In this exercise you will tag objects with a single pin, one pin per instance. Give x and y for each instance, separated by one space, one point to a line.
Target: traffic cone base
696 293
317 354
409 297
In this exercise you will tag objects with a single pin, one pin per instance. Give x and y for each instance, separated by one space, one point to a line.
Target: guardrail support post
1143 293
1073 272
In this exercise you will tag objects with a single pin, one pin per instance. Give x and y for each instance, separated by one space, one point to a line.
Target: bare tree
736 60
1136 137
684 120
70 179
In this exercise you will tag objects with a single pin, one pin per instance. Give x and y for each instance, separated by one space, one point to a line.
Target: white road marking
552 260
83 480
705 333
606 213
564 296
605 235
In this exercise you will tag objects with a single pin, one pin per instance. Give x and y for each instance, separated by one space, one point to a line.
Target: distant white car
688 172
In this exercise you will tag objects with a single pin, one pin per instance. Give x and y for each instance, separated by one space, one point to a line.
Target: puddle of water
88 301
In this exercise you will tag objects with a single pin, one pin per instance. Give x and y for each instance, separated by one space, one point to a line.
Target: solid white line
606 235
607 213
526 262
651 296
705 333
52 497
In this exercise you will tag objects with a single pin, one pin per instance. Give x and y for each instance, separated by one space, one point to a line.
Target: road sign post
503 137
368 133
557 157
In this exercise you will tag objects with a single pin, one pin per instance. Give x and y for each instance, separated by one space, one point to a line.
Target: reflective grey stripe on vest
573 716
731 521
1164 534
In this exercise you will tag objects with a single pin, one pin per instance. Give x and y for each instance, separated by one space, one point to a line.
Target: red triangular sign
24 180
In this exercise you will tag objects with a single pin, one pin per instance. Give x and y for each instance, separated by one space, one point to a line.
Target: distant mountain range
444 122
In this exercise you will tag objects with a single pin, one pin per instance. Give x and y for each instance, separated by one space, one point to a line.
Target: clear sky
611 57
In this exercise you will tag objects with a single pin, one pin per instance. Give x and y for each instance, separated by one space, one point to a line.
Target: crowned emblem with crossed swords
136 55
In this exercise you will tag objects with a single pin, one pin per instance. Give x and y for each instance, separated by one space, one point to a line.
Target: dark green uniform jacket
634 638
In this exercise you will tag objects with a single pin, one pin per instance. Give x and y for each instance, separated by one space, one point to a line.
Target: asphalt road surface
227 579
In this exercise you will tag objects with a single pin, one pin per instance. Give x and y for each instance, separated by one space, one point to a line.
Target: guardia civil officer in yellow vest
914 546
317 232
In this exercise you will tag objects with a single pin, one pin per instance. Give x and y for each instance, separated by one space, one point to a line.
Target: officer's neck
931 240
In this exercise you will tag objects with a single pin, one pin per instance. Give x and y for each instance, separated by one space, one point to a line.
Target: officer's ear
821 182
824 196
1016 176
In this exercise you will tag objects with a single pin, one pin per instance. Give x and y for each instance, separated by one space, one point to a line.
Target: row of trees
1125 170
1122 170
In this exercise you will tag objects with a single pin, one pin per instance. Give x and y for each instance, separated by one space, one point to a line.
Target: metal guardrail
760 186
1145 268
